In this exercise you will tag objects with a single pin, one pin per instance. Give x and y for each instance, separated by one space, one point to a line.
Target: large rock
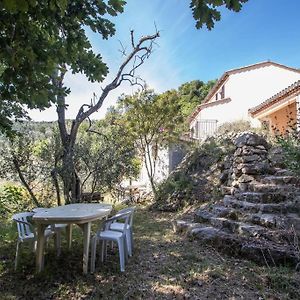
250 139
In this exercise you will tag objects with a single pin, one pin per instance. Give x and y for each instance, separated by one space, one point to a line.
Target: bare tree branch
141 46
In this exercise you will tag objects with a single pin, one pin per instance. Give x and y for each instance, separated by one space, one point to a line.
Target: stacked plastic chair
107 234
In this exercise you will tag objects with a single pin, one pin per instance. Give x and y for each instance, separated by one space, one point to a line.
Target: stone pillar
249 161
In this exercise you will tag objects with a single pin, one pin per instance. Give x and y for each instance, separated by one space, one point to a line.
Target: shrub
290 143
234 127
13 199
230 129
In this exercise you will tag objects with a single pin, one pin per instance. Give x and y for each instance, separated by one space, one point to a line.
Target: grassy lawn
164 266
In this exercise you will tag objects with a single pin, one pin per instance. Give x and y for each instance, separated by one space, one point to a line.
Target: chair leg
128 242
122 250
17 255
125 249
57 238
131 240
102 250
93 253
105 249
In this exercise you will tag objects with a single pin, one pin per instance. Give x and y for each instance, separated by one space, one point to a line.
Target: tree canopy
152 121
39 38
206 12
192 93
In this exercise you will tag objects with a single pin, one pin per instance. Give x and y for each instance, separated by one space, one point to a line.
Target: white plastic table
82 214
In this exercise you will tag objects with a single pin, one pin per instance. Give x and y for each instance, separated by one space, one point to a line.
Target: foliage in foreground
13 199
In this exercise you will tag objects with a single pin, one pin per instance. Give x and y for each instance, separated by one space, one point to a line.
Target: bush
234 127
230 129
290 143
13 199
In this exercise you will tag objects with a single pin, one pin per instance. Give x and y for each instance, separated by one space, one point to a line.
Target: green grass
164 266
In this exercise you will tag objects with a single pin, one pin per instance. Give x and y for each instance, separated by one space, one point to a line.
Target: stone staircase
258 217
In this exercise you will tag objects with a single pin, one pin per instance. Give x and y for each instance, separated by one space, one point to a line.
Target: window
221 93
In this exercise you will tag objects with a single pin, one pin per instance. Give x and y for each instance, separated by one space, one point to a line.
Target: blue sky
263 30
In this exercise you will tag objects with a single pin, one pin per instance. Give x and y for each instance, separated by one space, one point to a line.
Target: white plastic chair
26 232
110 235
117 226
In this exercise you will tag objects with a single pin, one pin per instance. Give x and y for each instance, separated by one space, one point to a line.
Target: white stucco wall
162 170
246 90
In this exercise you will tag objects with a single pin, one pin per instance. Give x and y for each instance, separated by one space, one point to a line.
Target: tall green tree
153 121
106 156
38 40
192 93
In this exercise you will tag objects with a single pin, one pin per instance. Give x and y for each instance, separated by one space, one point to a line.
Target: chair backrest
125 217
127 210
24 227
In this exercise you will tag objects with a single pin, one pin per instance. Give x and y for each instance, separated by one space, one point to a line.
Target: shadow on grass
164 266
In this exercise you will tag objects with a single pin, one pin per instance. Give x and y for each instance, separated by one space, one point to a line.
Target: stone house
236 92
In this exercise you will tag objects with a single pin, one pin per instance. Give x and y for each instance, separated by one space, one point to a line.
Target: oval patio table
82 214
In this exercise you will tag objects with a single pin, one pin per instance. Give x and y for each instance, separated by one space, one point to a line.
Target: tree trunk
150 167
71 181
56 185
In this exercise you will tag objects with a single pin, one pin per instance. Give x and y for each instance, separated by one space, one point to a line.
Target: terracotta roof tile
295 87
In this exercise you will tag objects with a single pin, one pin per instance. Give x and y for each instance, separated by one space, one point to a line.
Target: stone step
261 251
265 220
282 172
184 226
280 180
226 242
256 227
272 188
231 226
222 211
258 197
280 208
241 228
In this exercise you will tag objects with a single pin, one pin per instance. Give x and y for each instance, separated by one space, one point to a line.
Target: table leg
40 247
86 245
69 235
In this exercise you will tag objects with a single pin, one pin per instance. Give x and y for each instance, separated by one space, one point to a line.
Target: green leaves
192 94
10 5
205 12
37 38
154 119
